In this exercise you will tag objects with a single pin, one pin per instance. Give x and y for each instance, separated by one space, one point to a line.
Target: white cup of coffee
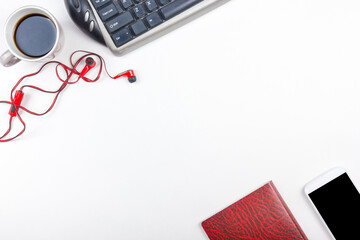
32 34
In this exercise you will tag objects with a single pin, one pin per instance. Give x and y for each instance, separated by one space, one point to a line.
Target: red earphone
129 74
90 63
17 92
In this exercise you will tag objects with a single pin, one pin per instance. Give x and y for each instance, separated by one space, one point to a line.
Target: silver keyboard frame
164 28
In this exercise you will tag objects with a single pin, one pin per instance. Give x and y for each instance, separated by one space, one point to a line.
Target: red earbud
129 74
90 63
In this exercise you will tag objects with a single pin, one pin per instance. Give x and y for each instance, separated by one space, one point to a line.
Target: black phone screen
338 202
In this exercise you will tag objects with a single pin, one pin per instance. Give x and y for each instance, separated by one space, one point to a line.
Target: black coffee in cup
35 35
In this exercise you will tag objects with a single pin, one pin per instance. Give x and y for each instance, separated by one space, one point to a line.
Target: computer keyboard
124 25
127 19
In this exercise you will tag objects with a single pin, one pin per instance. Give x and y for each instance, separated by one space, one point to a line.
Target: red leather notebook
261 215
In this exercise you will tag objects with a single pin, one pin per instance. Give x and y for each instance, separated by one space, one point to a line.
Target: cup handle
7 59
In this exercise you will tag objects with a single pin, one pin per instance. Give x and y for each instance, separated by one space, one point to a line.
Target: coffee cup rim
22 56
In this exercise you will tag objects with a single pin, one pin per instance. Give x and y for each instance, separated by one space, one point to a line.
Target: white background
253 91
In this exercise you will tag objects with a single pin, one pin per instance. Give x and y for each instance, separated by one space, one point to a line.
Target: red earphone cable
70 71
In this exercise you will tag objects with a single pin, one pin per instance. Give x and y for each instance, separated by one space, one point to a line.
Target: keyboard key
99 3
118 6
126 3
121 37
153 19
151 5
177 7
163 2
118 22
139 11
138 1
138 28
108 12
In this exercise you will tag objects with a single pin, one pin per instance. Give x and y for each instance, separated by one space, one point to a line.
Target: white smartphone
337 200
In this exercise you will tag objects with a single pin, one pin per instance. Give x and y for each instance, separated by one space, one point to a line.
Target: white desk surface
251 92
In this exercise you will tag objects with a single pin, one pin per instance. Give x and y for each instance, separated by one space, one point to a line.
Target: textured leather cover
261 215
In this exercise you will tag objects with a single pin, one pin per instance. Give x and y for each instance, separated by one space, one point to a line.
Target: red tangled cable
17 91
